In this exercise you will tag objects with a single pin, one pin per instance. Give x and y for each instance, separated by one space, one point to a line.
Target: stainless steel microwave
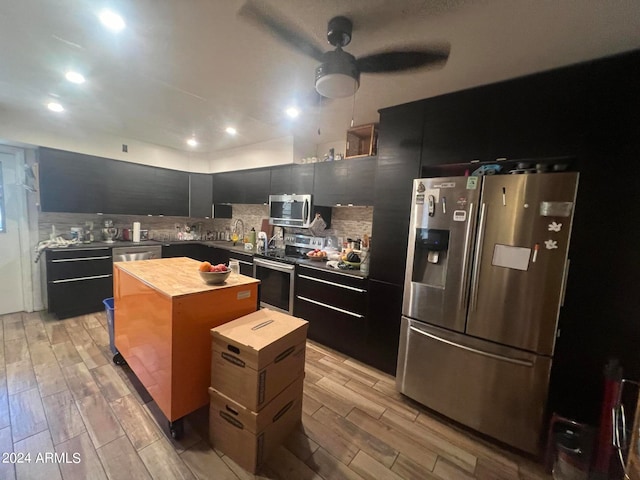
291 210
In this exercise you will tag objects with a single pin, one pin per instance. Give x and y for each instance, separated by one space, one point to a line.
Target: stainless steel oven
276 283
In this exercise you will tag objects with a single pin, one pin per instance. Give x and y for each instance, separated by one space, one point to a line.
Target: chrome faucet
235 229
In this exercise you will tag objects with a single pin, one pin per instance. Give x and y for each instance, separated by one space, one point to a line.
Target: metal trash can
572 461
108 304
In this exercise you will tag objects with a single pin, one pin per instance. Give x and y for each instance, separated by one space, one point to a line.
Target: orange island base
163 314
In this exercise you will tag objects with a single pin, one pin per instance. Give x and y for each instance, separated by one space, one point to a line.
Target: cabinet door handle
80 259
244 262
357 315
327 282
66 280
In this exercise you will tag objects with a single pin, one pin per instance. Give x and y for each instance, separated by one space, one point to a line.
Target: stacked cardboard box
257 372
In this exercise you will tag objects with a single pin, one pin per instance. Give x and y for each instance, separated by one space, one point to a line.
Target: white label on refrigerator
472 183
459 215
445 185
511 257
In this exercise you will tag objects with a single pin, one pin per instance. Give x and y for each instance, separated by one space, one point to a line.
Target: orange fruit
204 267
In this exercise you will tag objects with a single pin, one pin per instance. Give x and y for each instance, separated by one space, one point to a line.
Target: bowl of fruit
317 255
214 274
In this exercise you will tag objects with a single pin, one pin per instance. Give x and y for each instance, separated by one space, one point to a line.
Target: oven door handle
281 267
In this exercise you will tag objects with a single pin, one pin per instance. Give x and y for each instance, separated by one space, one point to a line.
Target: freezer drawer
495 390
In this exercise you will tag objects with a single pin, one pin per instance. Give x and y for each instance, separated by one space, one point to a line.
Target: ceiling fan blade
400 60
276 24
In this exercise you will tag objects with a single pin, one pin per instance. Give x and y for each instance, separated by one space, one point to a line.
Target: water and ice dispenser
430 256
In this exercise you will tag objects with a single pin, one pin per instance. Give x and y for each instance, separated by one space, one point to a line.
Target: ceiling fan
338 74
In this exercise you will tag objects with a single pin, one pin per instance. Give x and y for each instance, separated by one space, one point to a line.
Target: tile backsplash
351 222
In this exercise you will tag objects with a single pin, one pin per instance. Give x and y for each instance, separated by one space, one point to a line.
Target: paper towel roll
136 231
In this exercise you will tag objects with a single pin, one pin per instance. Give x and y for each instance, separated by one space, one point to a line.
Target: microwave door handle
306 212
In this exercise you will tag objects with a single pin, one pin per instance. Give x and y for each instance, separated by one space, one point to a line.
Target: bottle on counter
252 236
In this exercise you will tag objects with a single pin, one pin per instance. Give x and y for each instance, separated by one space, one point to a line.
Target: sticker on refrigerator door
420 198
507 256
472 183
550 244
462 202
554 227
445 185
459 215
421 188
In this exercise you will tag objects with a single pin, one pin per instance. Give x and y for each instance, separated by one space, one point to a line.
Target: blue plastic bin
111 314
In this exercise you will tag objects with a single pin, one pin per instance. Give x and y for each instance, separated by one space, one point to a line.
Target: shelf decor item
362 141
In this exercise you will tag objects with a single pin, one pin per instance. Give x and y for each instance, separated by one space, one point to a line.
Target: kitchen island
163 314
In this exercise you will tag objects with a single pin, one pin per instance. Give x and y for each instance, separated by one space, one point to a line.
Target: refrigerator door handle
478 256
564 282
516 361
465 260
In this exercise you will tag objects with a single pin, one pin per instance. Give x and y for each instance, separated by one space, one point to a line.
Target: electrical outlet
125 148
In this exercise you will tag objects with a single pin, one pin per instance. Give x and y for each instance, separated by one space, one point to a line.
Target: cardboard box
257 356
248 437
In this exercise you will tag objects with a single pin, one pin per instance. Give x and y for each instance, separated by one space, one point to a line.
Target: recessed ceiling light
231 130
192 142
55 107
74 77
112 20
293 112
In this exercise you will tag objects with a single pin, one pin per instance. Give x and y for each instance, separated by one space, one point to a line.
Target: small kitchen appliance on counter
109 232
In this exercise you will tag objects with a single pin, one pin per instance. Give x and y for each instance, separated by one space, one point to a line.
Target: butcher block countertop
176 277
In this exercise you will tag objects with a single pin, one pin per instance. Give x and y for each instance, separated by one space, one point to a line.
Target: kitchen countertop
176 277
211 243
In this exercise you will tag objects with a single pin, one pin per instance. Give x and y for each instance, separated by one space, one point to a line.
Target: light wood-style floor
60 392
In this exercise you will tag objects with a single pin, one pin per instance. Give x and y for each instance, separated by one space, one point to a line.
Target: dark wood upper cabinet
71 182
77 183
280 180
301 178
398 163
228 188
361 178
457 128
346 182
330 182
242 186
135 189
171 196
256 183
200 195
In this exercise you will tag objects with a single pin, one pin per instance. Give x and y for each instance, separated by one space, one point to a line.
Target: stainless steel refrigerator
486 274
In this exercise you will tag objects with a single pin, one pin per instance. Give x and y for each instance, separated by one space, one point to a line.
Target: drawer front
241 257
344 297
340 278
64 253
332 328
69 299
79 267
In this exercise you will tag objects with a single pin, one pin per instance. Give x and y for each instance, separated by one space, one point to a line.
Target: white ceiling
184 67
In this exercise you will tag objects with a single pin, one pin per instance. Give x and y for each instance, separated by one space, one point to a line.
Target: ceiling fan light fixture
338 75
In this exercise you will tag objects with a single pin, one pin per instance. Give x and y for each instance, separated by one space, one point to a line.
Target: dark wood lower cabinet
78 280
197 251
383 325
335 305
